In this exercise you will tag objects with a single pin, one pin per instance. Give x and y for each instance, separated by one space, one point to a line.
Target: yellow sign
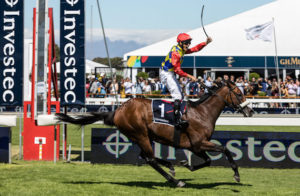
290 61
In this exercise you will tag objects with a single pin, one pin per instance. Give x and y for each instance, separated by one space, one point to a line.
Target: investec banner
4 144
11 52
72 54
250 149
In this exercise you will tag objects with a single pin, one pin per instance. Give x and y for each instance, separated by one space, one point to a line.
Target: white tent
90 67
229 36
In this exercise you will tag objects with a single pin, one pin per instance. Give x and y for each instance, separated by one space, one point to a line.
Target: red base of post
32 134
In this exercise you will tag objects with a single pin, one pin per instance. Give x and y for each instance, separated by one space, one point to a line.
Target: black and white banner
72 52
5 138
249 149
11 52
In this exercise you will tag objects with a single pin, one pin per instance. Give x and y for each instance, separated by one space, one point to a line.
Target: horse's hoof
180 184
172 172
184 163
237 178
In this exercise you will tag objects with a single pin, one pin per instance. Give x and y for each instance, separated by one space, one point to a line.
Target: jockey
171 65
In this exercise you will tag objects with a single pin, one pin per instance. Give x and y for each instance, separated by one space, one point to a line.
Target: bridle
238 107
241 105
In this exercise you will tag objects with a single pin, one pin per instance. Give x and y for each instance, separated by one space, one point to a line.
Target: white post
82 143
276 60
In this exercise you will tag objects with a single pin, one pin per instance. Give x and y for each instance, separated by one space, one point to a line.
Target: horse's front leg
164 163
167 164
203 155
209 146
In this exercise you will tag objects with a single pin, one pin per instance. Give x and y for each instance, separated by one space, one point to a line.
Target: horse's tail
107 117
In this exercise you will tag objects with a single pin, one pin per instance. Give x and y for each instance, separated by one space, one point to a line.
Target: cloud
144 36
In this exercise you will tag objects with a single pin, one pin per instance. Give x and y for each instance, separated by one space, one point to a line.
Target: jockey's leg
179 123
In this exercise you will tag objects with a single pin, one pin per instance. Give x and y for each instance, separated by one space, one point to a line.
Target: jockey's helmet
183 37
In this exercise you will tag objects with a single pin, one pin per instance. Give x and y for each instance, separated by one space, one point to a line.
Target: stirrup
182 124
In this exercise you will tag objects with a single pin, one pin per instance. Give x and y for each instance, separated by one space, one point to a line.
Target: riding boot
179 123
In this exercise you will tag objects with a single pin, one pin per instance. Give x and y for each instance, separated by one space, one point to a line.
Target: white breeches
168 79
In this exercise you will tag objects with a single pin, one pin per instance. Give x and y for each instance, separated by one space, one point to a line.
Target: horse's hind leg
209 146
204 156
150 159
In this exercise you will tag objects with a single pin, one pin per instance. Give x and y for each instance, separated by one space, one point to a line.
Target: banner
249 149
72 53
11 53
4 144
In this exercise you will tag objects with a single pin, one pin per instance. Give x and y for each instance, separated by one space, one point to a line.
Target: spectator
114 87
147 87
240 84
139 87
254 87
269 88
93 87
194 88
225 77
232 78
291 91
128 88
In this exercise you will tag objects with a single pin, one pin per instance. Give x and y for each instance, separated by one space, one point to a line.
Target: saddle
163 111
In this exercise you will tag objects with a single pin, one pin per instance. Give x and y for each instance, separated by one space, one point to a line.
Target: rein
238 107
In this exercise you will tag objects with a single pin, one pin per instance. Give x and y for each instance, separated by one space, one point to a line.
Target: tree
116 62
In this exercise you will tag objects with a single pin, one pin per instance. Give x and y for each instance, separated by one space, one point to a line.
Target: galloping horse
134 119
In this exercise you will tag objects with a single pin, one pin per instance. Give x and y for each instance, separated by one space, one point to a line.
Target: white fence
253 102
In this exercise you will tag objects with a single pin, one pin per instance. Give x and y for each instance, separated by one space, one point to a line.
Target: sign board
72 54
11 53
4 144
249 149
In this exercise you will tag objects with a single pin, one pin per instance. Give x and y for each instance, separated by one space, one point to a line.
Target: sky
145 22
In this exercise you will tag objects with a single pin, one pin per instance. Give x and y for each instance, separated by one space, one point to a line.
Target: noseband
239 107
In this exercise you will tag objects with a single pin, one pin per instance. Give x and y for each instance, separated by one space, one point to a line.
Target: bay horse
134 119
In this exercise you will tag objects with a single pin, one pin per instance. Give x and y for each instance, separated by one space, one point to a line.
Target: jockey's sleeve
196 48
177 64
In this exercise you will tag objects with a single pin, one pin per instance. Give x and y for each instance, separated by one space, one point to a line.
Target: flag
263 32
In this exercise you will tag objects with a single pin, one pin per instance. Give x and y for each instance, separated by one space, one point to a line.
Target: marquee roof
229 36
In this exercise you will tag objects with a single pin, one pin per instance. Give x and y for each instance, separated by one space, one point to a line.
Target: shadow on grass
152 185
83 182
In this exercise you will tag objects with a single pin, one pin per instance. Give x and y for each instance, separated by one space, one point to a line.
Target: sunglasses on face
188 42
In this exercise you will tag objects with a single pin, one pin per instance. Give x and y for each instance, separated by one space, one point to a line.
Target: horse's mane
211 90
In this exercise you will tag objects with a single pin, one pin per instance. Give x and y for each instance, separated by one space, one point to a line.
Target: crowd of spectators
125 88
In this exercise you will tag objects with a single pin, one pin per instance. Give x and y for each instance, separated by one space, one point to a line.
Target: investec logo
273 151
268 150
70 51
8 49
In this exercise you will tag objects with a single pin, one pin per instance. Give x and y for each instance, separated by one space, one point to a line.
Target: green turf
47 178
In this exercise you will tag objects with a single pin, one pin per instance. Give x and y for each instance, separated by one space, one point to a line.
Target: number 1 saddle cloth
163 111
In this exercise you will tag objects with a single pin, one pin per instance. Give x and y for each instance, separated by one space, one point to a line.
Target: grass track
46 178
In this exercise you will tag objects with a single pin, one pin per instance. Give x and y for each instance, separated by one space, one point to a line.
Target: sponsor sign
72 54
249 149
4 144
11 53
290 62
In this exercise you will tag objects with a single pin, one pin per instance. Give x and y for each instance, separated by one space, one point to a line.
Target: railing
255 101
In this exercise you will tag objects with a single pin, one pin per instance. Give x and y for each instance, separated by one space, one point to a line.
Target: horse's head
236 100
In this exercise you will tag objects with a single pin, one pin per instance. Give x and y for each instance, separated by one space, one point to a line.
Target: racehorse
134 119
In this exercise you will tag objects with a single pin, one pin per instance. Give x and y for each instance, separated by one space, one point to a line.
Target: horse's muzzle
247 111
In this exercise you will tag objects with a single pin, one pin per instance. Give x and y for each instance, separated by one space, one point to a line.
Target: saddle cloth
163 111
